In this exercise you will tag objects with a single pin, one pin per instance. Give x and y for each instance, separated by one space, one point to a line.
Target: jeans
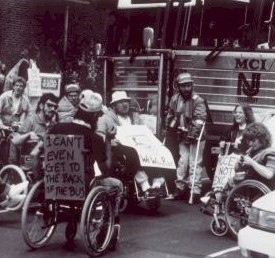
186 165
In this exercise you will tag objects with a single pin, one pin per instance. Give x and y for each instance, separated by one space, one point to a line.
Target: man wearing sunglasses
35 127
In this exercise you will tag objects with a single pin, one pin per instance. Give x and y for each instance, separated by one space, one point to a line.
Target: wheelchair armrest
239 177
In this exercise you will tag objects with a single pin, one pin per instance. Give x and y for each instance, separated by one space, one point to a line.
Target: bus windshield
206 23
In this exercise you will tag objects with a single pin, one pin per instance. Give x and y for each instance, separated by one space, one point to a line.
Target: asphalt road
177 230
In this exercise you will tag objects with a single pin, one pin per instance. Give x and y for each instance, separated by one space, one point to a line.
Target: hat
90 101
119 95
72 88
184 78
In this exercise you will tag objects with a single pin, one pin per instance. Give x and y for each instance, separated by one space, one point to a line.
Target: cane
195 167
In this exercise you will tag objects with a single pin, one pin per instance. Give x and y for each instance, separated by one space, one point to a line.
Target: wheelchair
94 212
229 204
125 164
133 194
239 202
10 174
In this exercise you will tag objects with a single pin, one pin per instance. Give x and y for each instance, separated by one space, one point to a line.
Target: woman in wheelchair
259 161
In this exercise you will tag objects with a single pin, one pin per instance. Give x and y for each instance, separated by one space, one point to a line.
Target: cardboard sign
225 169
50 82
64 167
151 152
34 82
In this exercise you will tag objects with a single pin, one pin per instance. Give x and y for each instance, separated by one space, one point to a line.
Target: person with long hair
259 160
243 116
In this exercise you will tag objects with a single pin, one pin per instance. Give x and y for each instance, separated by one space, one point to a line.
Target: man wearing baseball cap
68 104
84 123
186 116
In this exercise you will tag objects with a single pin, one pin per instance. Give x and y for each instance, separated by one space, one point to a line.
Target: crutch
195 167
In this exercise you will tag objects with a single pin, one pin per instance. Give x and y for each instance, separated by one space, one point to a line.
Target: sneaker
16 190
9 203
16 200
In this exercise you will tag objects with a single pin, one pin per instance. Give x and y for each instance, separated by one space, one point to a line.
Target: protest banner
151 152
50 82
225 169
64 167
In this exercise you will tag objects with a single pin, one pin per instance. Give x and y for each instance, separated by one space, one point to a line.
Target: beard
186 95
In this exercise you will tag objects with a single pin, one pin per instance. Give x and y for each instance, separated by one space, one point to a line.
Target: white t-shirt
124 120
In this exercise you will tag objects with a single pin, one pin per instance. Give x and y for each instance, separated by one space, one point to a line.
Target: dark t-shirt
93 143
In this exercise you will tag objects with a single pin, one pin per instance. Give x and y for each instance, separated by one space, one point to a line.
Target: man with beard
35 127
120 115
186 116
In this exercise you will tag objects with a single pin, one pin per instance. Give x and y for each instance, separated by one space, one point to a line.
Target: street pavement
177 230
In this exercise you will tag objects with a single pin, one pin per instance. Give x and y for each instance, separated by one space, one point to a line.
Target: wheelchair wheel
239 202
38 218
221 229
97 221
12 174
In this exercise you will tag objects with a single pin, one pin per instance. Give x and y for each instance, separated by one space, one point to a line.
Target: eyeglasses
52 106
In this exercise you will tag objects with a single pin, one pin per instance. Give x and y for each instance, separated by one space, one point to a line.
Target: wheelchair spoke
38 221
97 221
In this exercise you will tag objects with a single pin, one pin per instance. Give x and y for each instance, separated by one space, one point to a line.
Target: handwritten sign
34 82
151 152
50 82
225 169
64 167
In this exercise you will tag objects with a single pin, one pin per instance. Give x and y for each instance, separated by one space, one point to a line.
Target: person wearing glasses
35 127
68 104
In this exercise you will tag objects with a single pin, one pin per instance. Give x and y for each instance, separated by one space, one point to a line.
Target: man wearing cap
186 116
68 104
119 115
85 123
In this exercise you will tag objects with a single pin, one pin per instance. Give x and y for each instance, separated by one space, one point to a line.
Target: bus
228 46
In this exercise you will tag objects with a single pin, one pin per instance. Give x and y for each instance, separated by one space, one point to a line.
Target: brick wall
26 21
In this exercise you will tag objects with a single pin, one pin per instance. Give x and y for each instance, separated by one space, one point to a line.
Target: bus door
142 78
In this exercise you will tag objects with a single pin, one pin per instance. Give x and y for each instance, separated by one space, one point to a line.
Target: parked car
257 239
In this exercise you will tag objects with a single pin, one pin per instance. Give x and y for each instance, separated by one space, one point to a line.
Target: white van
257 239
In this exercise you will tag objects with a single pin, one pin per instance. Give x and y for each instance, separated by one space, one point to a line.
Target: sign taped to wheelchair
151 152
225 170
64 167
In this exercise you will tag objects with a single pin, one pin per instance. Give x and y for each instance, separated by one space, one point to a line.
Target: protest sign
50 82
225 169
34 82
64 167
151 152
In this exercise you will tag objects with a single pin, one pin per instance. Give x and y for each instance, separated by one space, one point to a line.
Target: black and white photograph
137 128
